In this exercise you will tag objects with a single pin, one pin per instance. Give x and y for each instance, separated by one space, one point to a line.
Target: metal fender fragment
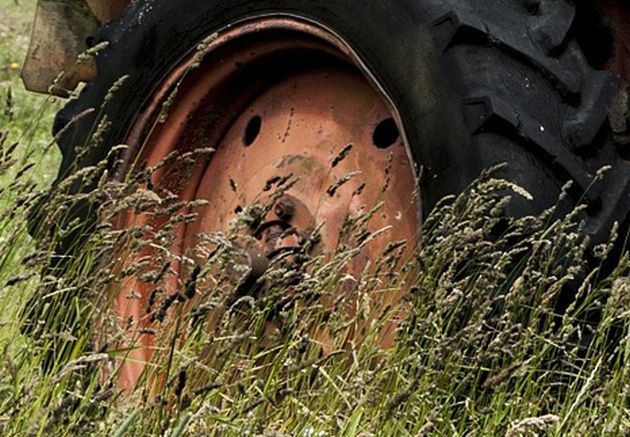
61 32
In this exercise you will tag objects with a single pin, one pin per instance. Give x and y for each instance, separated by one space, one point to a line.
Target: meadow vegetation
488 343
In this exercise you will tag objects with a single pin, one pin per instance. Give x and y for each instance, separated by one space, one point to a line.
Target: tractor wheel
434 91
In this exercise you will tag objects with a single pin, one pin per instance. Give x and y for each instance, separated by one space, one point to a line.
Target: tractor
417 95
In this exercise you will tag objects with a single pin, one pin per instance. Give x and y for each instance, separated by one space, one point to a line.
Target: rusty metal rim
280 21
143 128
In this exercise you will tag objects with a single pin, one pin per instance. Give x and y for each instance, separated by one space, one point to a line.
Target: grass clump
480 347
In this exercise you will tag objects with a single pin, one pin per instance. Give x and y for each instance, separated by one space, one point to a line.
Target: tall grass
481 347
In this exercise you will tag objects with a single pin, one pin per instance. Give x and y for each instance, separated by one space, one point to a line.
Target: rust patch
616 14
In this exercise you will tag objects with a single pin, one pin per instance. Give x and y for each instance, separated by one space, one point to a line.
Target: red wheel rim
275 97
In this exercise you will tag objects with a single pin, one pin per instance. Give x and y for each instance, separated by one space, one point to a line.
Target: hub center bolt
284 209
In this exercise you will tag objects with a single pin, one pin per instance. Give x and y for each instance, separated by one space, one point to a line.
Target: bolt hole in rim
308 97
252 130
386 134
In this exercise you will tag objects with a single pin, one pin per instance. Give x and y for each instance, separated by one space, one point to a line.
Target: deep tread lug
448 28
582 127
452 27
550 29
481 112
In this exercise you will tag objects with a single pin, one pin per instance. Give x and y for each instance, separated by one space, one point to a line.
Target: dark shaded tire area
476 82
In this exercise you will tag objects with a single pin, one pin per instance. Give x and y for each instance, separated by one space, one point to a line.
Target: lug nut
284 209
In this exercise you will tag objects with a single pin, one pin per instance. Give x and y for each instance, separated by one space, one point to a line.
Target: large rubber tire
476 82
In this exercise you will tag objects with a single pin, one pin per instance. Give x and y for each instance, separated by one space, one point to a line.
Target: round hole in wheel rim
252 130
386 134
275 98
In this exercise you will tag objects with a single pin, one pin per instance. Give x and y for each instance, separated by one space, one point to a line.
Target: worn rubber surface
476 83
